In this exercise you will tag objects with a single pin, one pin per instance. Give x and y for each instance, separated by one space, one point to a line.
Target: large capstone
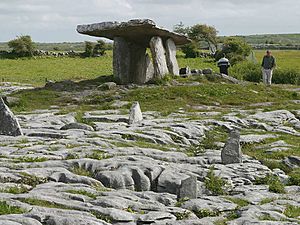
159 57
139 31
231 153
9 124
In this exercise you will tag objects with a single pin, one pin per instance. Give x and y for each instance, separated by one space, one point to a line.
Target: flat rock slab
137 31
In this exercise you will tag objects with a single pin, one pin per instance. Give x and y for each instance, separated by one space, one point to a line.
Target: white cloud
56 20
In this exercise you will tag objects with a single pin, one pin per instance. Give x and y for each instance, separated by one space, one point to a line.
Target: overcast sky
56 20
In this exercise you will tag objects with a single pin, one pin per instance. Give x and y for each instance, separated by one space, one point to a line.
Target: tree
94 49
204 32
89 47
22 46
99 48
235 49
181 29
197 33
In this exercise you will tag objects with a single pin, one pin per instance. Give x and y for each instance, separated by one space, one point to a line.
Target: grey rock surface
121 174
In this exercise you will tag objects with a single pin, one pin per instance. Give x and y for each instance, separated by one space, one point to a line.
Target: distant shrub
249 71
94 49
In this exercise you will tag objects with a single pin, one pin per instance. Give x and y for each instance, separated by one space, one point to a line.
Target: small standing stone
135 115
9 124
231 153
188 188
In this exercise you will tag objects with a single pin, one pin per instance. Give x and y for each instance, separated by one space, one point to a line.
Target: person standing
224 64
268 65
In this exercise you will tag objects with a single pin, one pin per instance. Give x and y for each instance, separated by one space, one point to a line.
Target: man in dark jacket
268 64
223 64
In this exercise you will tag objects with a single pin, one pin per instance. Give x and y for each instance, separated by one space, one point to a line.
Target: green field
36 71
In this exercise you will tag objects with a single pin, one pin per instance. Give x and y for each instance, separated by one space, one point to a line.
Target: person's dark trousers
224 69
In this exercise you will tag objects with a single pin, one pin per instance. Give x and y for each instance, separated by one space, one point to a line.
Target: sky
56 20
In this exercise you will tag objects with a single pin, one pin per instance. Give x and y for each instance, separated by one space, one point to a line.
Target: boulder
9 123
292 161
207 71
185 71
231 153
135 115
107 86
171 57
159 57
188 188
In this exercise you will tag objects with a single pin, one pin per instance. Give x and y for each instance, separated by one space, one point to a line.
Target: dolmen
131 62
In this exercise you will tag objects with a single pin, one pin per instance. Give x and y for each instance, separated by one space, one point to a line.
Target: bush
214 183
22 46
235 49
190 50
94 49
247 71
99 48
286 76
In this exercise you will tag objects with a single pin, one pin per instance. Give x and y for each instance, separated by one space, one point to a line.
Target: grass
8 209
183 215
295 177
26 159
36 71
171 99
267 200
98 155
44 203
274 160
82 192
15 190
31 180
239 201
267 217
201 213
292 211
81 171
